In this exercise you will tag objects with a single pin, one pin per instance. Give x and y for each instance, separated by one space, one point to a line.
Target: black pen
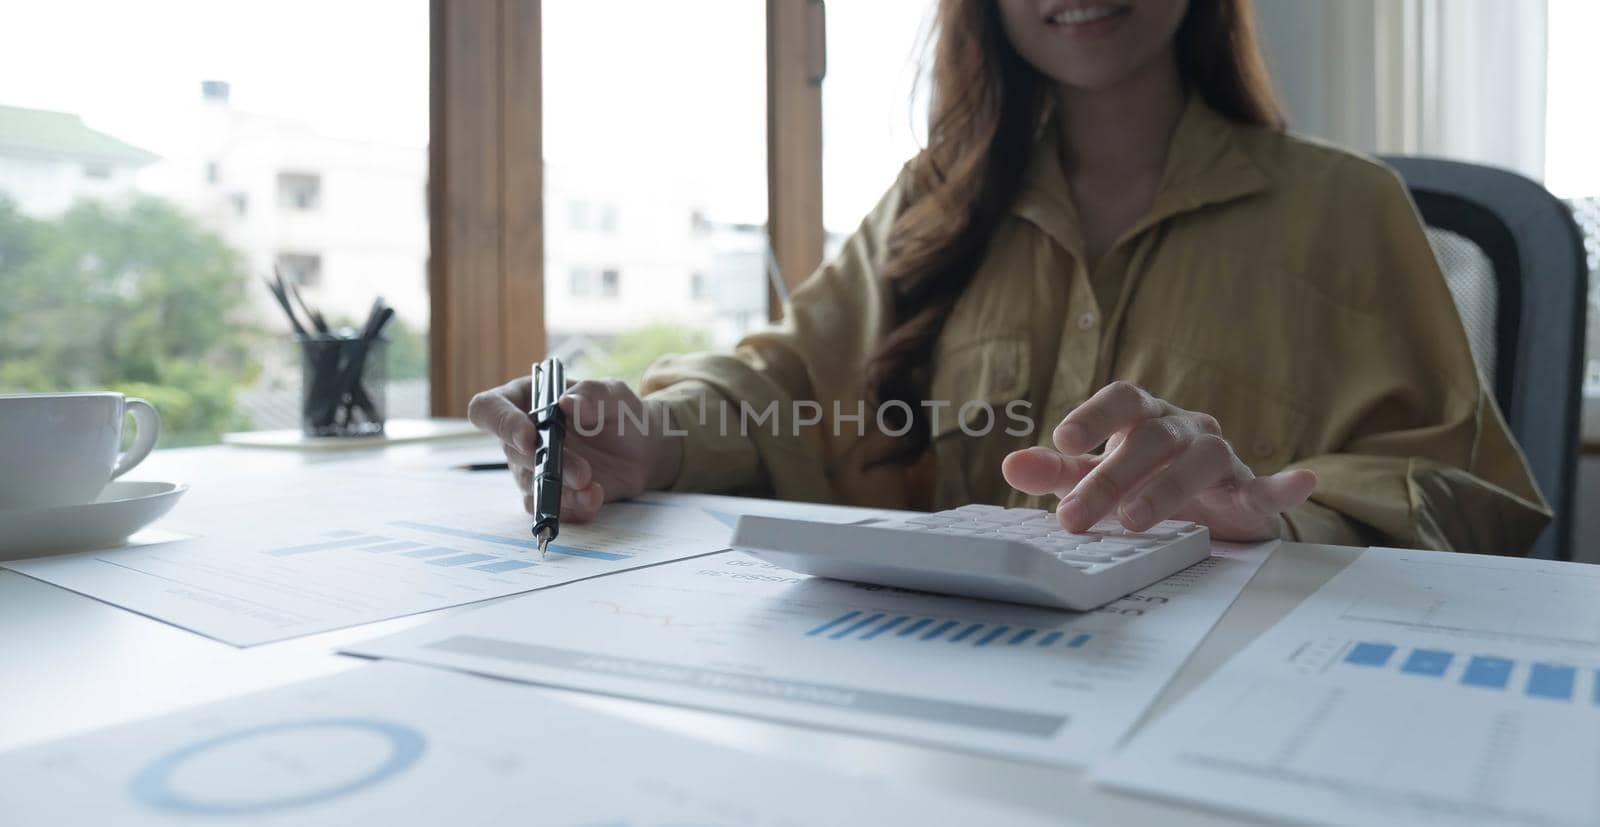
549 382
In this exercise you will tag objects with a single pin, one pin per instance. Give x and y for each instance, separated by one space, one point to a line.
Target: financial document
731 633
398 745
247 584
1415 687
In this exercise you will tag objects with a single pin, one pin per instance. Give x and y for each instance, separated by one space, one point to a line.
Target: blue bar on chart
913 628
460 559
885 627
1049 638
397 545
966 633
856 626
1369 654
989 638
844 618
1548 680
525 543
1078 641
940 630
1491 673
504 565
1020 637
1430 662
1597 687
431 552
343 542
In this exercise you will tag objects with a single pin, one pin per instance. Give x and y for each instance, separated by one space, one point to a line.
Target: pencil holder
342 391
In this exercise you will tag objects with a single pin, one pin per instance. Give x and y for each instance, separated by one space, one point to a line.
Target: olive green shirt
1283 286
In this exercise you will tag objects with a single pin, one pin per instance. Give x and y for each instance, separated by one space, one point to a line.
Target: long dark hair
987 105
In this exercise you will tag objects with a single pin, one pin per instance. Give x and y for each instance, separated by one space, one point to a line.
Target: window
686 200
169 247
299 190
301 269
871 125
581 281
1572 167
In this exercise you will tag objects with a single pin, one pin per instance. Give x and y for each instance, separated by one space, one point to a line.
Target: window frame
486 182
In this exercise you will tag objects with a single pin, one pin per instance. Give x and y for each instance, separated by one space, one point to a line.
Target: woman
1109 231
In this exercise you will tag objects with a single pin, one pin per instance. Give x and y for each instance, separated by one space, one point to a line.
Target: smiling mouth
1088 14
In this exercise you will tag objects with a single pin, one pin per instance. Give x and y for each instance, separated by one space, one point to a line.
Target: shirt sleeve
744 414
1423 456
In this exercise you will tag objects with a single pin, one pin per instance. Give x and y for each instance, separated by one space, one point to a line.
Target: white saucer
122 509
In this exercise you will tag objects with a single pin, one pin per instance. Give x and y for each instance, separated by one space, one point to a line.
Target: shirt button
1262 448
1086 321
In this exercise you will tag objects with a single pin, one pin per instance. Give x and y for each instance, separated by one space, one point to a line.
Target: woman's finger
1115 407
1043 471
580 505
1148 448
1207 460
1272 495
576 472
495 412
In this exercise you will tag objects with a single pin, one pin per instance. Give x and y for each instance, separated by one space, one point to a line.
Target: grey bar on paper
952 713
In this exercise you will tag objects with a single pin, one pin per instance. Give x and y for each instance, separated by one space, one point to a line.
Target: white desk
69 664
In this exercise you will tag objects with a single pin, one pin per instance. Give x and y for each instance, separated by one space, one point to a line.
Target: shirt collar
1205 165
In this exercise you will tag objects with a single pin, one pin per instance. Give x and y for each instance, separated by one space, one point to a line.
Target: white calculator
1019 555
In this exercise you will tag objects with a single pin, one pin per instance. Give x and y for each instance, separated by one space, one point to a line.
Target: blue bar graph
844 618
1370 654
525 543
1548 680
1487 672
966 633
1430 662
1597 687
397 545
860 624
885 627
989 638
343 542
504 565
856 626
460 559
913 628
431 552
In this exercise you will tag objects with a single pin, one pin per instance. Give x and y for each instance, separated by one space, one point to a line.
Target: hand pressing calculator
1019 555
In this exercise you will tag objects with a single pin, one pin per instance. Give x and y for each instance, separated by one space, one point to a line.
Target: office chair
1514 261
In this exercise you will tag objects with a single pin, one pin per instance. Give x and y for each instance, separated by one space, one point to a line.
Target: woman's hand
1160 462
607 456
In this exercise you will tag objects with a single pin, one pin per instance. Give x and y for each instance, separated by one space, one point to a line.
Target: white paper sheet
257 581
734 634
389 744
1415 687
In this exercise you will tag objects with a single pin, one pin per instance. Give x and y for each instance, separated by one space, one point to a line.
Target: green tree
630 353
136 298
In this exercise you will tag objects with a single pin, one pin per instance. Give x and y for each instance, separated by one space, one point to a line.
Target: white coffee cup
63 448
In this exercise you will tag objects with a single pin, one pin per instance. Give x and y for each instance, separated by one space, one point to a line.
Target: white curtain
1461 79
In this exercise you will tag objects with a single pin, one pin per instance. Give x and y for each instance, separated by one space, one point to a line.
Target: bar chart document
247 584
1412 688
730 633
396 745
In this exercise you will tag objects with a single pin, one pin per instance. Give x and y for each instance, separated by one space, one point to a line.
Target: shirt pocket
1266 428
974 385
